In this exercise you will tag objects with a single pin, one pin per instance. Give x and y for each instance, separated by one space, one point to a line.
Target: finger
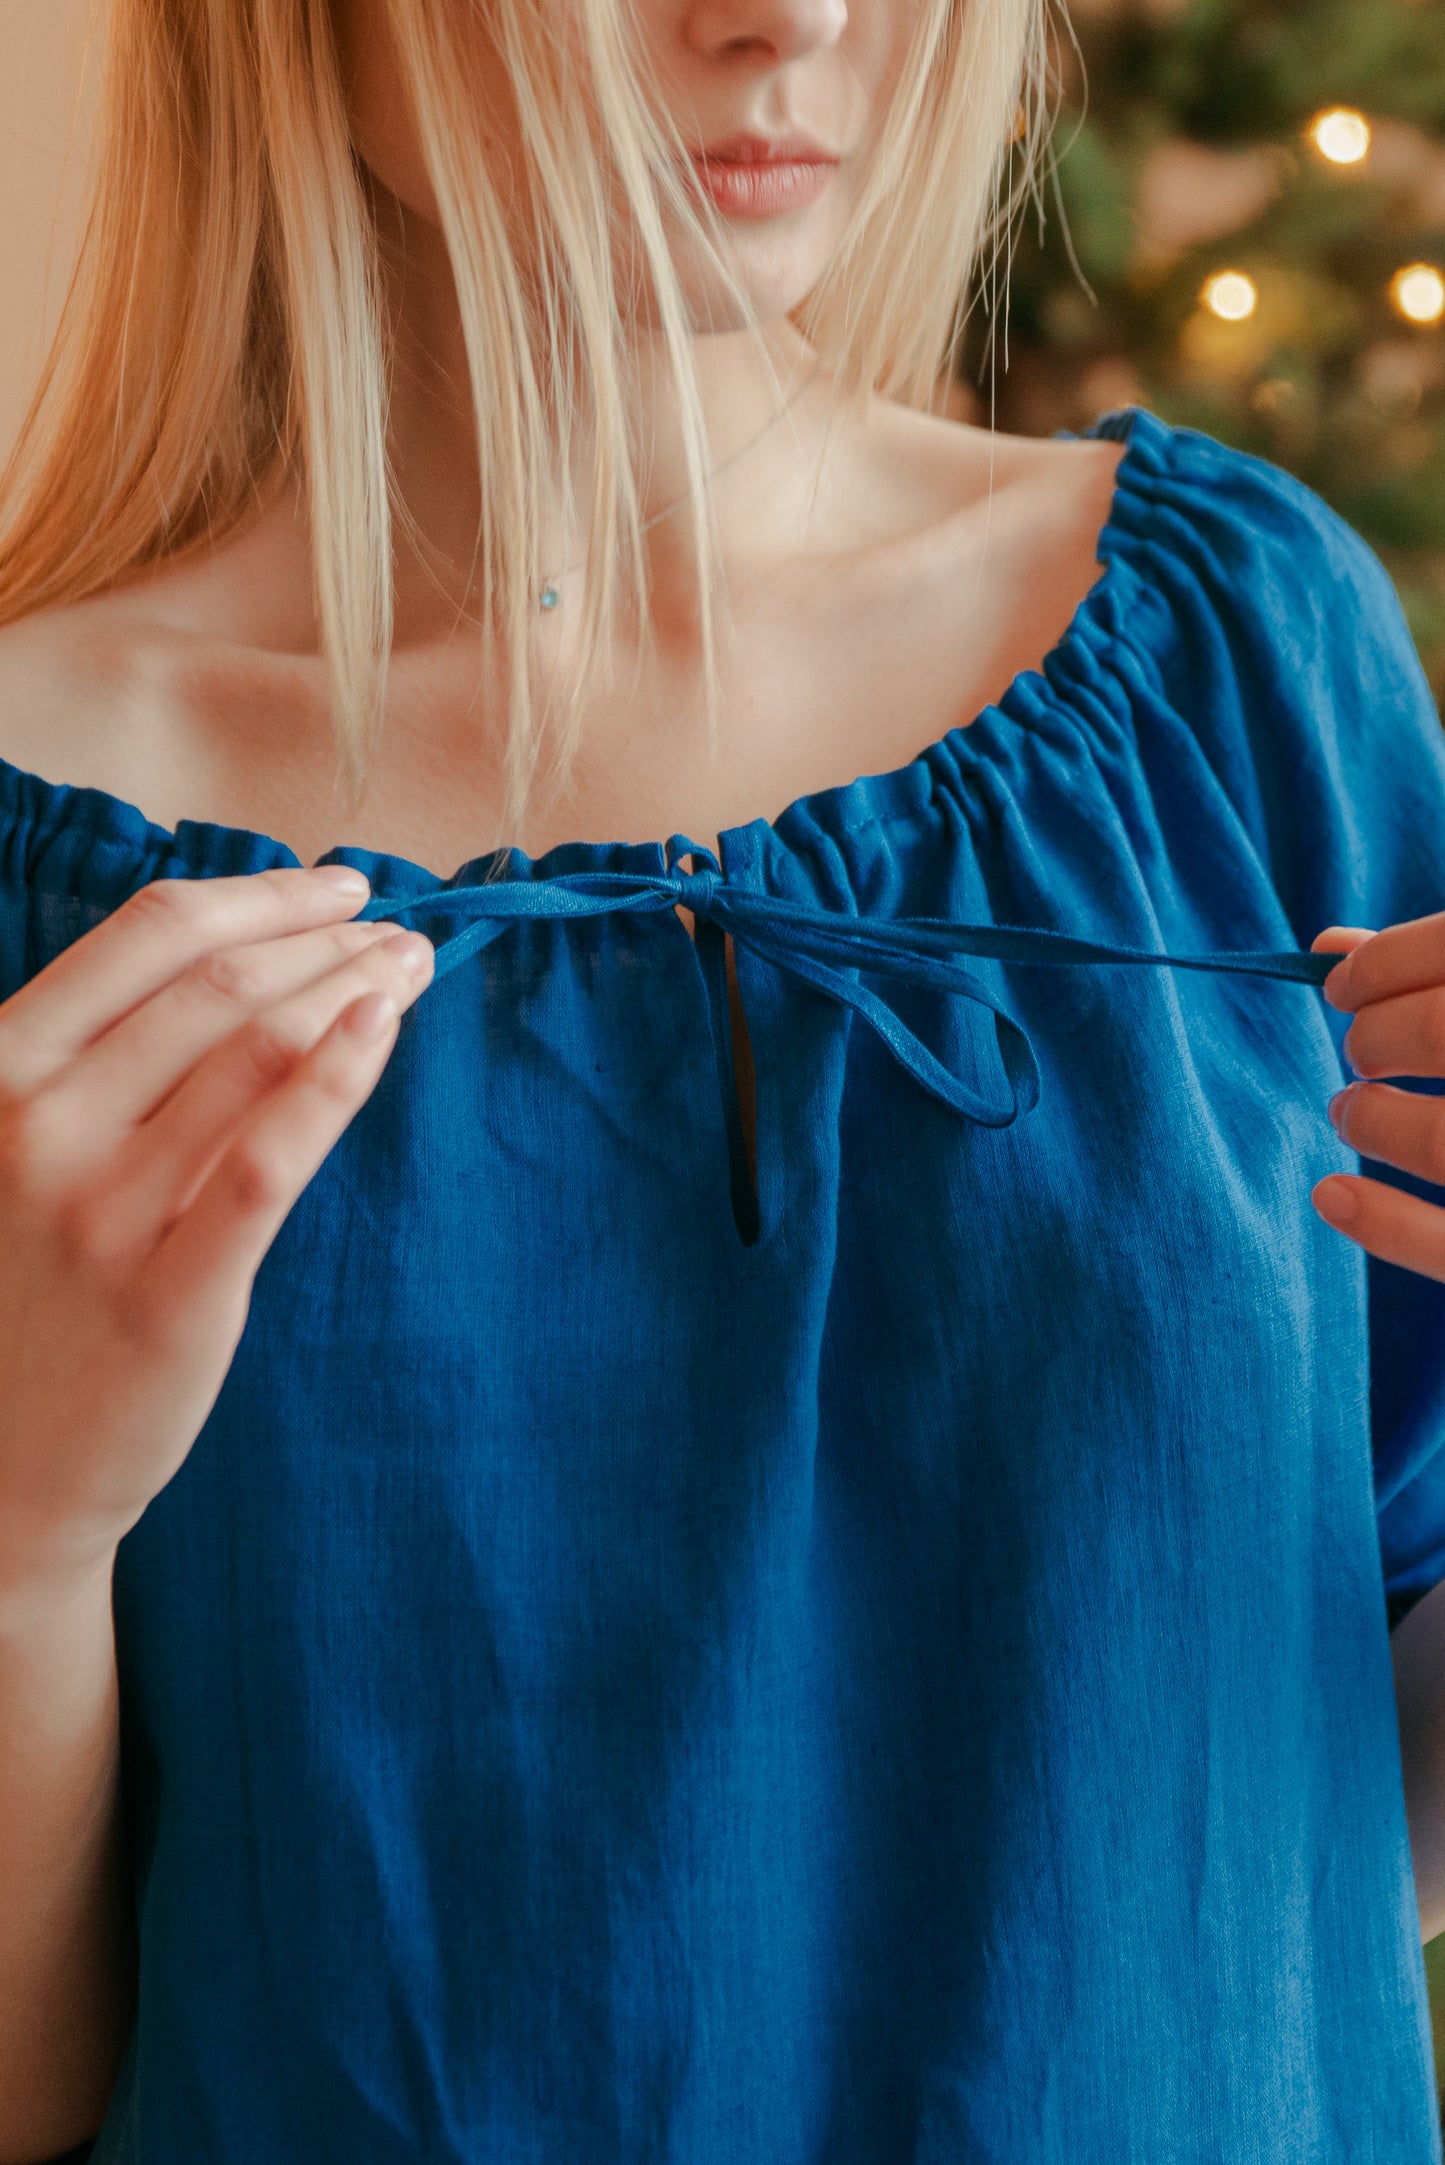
1341 940
1403 1128
1401 1035
198 1277
120 1079
1385 1221
1401 958
165 1161
153 936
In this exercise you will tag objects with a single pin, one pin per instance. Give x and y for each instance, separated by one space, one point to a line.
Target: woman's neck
768 499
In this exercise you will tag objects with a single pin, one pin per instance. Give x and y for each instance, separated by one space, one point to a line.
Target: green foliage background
1435 1977
1184 149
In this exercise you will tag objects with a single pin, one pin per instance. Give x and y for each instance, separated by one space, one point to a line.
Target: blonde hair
224 326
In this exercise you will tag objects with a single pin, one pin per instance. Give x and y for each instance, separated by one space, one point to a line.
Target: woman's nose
788 29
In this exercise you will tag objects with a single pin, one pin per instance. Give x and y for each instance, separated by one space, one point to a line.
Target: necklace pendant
550 595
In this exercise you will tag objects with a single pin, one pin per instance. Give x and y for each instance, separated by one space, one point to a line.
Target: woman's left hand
1393 983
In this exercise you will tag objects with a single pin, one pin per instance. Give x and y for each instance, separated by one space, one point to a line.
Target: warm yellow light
1419 293
1341 135
1231 295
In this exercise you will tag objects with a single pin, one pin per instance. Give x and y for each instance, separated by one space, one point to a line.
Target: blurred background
1246 232
44 109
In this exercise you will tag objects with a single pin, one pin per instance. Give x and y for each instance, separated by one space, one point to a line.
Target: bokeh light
1341 134
1230 295
1418 292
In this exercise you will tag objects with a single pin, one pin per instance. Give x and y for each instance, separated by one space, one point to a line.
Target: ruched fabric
879 1659
807 942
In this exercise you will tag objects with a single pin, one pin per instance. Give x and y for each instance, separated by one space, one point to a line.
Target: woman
616 1550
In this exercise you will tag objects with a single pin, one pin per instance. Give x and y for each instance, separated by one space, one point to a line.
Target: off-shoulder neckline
207 847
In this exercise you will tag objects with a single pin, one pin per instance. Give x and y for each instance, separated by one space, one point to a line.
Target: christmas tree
1244 229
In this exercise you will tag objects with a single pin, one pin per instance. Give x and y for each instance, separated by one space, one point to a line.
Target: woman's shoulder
88 699
148 691
1224 551
1193 496
102 690
62 670
940 467
1207 525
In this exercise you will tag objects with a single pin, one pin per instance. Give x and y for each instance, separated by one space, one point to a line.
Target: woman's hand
1393 983
168 1086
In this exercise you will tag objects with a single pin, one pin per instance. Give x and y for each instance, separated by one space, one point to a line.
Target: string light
1341 134
1231 296
1418 293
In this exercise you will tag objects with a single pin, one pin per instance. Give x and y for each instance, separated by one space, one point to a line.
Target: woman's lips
763 189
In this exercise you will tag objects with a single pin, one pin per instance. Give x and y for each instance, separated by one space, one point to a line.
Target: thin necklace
551 593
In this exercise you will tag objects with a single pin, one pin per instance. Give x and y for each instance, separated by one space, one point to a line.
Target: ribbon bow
822 947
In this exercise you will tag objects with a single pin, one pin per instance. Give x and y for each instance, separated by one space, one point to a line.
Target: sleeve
1321 725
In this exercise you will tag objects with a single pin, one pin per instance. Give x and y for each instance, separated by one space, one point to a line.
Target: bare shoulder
995 539
67 678
147 690
967 467
956 495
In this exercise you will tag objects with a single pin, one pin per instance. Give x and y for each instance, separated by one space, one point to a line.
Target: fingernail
1336 1200
1336 1106
343 877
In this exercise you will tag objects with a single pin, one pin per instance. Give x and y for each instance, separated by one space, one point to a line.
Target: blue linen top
895 1670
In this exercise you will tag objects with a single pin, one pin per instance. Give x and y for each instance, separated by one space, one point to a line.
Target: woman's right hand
168 1086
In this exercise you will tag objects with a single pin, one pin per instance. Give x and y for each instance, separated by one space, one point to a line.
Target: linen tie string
822 948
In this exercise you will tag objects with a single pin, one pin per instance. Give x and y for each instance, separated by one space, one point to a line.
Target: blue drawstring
809 942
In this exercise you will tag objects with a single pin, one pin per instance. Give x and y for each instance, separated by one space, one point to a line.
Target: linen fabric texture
902 1681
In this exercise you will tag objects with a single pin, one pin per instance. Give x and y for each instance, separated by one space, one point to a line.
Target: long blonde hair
224 326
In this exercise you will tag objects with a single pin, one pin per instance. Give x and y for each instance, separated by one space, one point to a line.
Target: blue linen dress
892 1670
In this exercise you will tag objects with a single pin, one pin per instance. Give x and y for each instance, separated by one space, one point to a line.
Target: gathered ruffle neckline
115 840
